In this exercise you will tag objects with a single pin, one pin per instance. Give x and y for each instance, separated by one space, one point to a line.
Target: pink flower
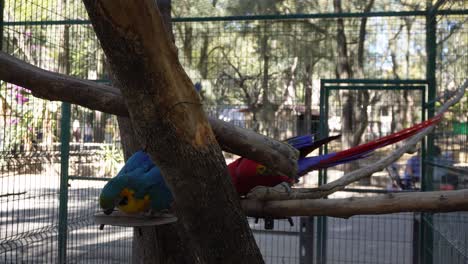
21 99
14 121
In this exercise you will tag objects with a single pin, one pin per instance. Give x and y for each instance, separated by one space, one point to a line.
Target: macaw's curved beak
108 211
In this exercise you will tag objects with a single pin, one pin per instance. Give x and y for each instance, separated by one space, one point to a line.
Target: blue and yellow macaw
138 187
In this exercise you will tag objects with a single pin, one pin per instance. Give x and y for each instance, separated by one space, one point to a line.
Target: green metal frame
260 17
64 162
426 231
326 85
2 6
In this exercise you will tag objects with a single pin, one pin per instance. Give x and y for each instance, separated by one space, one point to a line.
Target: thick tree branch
264 193
169 120
54 86
441 201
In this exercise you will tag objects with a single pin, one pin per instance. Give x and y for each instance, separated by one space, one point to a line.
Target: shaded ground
29 224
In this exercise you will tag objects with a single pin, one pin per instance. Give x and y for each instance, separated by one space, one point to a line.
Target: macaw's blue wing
332 159
160 195
138 162
145 178
307 144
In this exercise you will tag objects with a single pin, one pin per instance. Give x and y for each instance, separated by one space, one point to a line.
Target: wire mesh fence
254 72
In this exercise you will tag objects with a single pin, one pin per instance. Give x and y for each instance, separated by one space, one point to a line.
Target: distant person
88 132
412 171
109 131
76 130
440 173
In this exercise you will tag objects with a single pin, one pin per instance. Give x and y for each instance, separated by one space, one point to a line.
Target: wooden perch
264 193
441 201
121 219
54 86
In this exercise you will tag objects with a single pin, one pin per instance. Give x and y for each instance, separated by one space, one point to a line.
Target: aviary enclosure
279 68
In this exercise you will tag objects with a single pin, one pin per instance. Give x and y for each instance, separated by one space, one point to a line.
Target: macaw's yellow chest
134 205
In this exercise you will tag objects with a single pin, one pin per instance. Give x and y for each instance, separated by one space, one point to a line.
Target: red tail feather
384 141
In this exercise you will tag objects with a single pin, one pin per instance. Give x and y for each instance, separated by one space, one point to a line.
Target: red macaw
247 174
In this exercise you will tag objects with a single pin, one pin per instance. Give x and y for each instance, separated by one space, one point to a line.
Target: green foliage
258 65
111 158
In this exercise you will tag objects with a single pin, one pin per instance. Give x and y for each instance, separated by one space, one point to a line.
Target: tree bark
354 111
53 86
168 118
441 201
155 244
2 6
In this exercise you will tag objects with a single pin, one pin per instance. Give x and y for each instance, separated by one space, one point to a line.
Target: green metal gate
334 245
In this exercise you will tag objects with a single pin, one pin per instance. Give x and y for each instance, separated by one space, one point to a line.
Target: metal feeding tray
121 219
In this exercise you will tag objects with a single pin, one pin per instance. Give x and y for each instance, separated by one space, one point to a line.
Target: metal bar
452 12
323 128
372 87
86 178
306 240
365 190
257 17
2 6
427 236
64 164
375 81
457 170
48 22
275 232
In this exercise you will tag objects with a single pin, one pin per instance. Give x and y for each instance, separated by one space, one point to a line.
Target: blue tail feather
301 141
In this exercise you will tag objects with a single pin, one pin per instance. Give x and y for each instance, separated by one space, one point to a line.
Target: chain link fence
253 68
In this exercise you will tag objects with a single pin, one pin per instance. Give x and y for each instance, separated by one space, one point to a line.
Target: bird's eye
124 201
261 169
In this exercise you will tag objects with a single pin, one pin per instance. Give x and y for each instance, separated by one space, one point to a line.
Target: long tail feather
361 151
301 141
307 144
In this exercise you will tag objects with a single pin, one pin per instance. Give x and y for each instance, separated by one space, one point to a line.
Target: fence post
323 132
426 230
2 7
64 162
306 240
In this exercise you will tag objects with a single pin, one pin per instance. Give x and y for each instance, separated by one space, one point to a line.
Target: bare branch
441 201
263 193
54 86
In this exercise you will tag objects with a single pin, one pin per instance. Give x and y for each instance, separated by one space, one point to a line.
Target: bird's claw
269 193
283 187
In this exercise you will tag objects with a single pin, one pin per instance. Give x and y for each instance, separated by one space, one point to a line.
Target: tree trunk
203 60
169 120
354 112
155 244
2 6
307 83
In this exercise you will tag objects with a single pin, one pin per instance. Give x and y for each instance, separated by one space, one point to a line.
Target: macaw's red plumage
247 174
